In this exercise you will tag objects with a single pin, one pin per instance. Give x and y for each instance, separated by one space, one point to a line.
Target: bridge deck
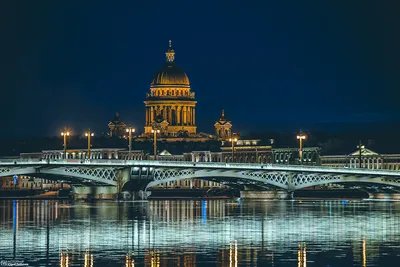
199 165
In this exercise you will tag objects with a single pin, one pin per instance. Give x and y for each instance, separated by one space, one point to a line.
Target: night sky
266 63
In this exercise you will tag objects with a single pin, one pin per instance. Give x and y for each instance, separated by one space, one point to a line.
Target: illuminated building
117 127
369 160
223 127
170 105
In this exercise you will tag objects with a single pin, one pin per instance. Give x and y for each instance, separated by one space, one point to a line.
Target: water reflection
64 259
302 255
130 260
200 233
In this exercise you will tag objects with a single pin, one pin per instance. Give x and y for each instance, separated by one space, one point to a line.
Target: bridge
142 174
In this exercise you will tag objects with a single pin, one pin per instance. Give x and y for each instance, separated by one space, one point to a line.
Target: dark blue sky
265 62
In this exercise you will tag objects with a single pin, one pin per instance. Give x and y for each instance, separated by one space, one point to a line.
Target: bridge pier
94 192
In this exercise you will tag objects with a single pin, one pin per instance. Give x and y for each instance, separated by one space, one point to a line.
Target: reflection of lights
233 254
64 259
302 255
129 260
88 259
155 259
364 253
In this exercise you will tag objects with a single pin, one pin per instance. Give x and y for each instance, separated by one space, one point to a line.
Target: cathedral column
170 115
151 114
191 116
178 115
194 116
187 115
147 116
184 114
164 109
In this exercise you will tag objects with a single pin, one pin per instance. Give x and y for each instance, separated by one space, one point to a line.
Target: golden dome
170 74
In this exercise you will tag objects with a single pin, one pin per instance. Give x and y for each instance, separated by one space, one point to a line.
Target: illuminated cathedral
171 106
171 109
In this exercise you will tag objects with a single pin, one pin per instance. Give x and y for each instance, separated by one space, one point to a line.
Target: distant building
369 160
30 183
223 128
117 127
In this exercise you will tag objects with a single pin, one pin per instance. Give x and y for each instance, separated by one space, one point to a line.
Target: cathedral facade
170 104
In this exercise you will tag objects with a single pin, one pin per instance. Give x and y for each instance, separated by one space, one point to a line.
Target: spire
222 118
170 54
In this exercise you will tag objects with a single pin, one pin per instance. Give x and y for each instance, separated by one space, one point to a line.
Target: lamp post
89 134
155 132
65 133
360 148
130 130
233 140
301 137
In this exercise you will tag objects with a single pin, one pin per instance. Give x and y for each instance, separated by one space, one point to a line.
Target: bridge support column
133 187
140 195
94 192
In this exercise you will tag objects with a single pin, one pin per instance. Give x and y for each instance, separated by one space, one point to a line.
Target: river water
200 233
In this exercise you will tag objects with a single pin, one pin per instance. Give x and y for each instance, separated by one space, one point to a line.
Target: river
199 233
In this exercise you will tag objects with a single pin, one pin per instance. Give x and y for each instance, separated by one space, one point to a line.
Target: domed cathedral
170 104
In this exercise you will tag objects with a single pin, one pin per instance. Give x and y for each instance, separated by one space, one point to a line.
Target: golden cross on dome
170 43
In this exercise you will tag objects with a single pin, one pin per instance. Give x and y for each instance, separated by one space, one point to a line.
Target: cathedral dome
170 74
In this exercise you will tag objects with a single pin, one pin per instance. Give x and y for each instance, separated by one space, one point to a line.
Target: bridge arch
105 175
276 179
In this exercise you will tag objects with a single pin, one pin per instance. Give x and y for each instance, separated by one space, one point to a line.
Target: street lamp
89 134
155 132
65 133
233 140
130 130
301 137
360 148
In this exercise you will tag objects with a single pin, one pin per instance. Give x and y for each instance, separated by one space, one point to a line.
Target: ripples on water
200 233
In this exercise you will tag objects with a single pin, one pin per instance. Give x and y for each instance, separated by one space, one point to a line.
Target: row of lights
131 130
90 134
300 137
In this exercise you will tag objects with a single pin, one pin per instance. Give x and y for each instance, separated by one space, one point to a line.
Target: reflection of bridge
152 173
254 235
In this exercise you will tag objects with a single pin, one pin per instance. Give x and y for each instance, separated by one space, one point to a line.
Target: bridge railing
190 164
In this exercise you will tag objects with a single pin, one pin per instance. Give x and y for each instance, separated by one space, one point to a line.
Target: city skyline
264 64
